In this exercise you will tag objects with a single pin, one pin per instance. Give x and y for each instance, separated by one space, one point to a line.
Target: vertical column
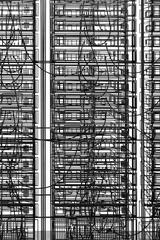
142 117
48 150
43 114
138 90
38 167
45 117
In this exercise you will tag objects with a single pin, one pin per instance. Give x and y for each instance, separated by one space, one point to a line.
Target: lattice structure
93 117
17 120
90 146
151 133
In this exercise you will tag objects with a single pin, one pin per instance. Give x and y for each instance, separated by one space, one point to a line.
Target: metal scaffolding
75 162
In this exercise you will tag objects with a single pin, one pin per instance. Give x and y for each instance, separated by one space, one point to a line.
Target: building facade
79 114
150 120
93 120
17 145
